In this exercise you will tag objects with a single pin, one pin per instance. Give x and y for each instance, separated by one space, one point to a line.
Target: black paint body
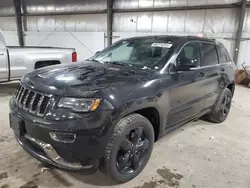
178 97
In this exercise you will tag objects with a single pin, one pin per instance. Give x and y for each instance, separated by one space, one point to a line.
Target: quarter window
210 56
223 58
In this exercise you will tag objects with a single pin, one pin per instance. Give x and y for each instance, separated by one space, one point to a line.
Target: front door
186 94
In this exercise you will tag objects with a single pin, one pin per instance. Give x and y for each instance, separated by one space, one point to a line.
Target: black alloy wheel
129 148
133 150
226 103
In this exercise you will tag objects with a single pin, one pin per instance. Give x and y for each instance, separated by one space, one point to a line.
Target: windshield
146 53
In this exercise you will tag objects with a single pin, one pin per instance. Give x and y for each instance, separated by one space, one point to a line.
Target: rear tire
220 114
129 148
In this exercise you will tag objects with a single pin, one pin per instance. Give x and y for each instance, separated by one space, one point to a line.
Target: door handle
222 69
201 74
1 53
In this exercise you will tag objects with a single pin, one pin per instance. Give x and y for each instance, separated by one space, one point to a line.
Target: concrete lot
200 154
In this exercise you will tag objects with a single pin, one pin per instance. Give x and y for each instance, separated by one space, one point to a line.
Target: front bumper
84 154
49 155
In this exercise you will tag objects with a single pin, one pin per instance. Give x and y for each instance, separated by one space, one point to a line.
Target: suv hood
83 79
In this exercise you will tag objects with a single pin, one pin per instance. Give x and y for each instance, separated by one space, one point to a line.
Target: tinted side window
210 56
189 55
223 57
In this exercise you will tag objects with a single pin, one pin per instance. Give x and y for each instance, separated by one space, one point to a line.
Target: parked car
17 61
108 111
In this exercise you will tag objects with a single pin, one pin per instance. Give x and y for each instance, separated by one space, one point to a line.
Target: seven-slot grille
33 102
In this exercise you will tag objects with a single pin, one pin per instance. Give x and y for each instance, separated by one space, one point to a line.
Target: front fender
135 105
138 104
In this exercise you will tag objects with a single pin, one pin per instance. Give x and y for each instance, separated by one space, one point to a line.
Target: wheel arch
231 87
151 112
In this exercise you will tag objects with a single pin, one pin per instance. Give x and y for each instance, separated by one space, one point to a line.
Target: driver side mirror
185 64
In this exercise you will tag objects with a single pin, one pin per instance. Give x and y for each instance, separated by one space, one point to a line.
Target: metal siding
96 22
214 21
246 27
81 24
10 38
47 6
160 22
31 23
144 22
118 4
6 10
29 8
60 5
60 23
41 6
176 22
194 18
221 21
45 23
130 4
244 55
161 3
232 20
196 2
192 21
96 5
8 24
214 2
117 21
146 3
129 22
88 22
70 24
175 3
211 2
125 22
6 7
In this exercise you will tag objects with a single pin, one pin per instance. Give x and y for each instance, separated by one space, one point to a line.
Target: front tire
220 114
129 148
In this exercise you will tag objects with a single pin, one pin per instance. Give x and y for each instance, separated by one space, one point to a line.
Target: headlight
79 104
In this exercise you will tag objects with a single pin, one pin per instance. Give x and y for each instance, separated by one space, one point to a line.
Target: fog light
63 137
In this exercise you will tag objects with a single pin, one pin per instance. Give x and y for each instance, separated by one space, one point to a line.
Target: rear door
4 70
186 92
210 65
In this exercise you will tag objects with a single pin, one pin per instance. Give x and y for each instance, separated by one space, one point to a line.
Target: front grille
31 101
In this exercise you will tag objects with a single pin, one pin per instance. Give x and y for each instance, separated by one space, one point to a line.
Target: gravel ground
199 154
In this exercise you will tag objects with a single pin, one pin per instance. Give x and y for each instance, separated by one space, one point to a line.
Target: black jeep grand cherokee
108 111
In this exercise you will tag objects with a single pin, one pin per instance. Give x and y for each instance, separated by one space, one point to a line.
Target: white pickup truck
17 61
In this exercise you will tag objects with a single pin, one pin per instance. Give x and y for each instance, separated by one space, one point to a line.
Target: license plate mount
17 125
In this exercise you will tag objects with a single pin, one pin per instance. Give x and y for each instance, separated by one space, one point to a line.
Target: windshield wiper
116 63
144 67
